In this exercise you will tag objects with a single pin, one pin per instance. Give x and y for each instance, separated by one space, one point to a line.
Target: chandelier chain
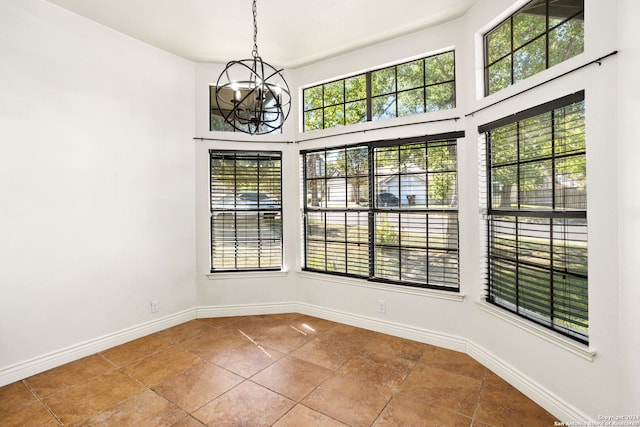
254 52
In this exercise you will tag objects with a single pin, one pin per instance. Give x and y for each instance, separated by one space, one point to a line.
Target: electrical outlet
382 306
155 306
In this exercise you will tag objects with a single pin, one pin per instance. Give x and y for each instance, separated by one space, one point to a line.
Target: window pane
246 220
337 193
313 98
442 190
384 107
504 145
571 183
442 157
561 10
538 257
411 75
498 42
499 75
529 60
503 186
566 41
529 23
383 81
535 185
440 97
382 94
411 102
313 120
334 93
537 132
411 244
219 124
356 88
334 116
540 35
440 68
569 129
356 112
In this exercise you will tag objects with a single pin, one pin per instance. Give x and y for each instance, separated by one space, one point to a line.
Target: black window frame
245 220
514 49
531 246
369 97
369 242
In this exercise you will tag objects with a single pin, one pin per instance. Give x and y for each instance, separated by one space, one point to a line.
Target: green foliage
517 48
530 144
386 233
411 88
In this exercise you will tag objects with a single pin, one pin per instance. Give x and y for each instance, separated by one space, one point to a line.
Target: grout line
41 400
475 410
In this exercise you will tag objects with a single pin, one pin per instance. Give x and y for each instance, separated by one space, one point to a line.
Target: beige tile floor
284 370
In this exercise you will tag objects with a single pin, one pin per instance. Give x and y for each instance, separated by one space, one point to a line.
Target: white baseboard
439 339
57 358
245 310
556 406
535 391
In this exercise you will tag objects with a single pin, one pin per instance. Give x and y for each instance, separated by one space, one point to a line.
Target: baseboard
205 312
439 339
57 358
561 409
535 391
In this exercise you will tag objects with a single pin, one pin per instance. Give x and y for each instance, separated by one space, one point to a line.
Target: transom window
540 35
415 87
385 211
217 122
537 215
246 210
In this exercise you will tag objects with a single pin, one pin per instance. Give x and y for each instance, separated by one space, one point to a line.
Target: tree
525 157
517 48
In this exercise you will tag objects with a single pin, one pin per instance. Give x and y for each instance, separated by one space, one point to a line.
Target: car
246 204
386 199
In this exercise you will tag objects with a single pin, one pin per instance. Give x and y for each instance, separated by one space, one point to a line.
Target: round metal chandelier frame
253 97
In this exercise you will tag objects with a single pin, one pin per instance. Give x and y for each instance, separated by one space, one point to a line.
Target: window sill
247 275
547 335
410 290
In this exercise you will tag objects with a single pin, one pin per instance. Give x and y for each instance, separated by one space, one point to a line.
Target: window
414 87
246 210
540 35
385 211
537 222
217 121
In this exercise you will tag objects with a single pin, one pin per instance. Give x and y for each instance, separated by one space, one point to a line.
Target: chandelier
251 95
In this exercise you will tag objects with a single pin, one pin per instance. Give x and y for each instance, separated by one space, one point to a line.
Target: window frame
231 208
370 97
503 286
369 214
513 49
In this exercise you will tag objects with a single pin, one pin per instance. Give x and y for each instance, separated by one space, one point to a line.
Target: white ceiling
291 33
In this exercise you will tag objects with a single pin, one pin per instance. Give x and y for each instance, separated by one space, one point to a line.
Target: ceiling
291 33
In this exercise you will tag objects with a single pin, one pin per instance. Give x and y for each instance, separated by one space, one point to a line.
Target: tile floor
284 370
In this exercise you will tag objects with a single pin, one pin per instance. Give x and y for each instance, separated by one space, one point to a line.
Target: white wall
562 376
233 293
96 185
629 201
97 201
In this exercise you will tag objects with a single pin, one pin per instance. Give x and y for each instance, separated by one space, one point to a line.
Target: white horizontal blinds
386 211
336 211
416 215
246 210
537 227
